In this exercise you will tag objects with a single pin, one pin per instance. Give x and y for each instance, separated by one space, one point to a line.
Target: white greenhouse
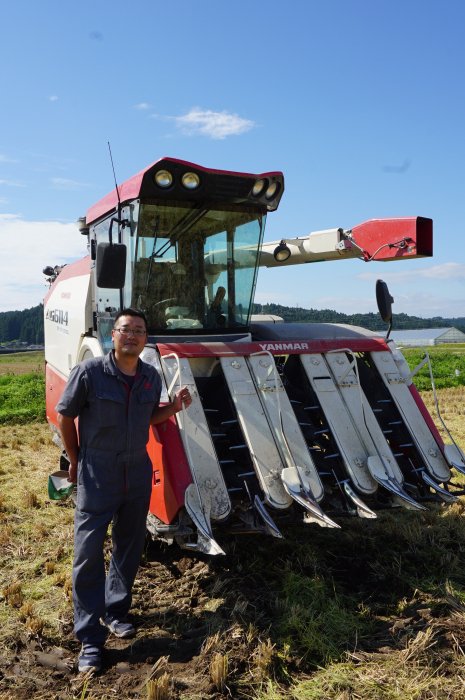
427 336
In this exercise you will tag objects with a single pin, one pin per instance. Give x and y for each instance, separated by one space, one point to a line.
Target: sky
360 103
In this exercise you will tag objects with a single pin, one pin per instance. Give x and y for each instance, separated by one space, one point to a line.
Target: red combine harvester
288 421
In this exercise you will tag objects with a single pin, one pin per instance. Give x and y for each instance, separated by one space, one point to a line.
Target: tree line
28 325
372 321
25 326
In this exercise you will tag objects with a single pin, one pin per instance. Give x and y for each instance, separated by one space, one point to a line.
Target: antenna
114 177
118 219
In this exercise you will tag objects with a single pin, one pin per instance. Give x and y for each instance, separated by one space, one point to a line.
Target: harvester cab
288 421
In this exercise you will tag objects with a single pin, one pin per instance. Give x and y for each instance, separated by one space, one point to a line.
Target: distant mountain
28 325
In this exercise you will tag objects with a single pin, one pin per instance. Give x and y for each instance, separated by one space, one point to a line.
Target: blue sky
361 103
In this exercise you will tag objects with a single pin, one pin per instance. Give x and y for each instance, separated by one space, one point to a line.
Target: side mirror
111 265
384 301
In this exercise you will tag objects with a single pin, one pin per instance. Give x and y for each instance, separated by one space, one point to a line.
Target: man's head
129 332
134 313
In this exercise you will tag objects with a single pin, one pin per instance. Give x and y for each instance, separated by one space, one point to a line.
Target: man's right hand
72 476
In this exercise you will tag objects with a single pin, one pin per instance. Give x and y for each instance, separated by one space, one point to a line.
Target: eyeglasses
130 331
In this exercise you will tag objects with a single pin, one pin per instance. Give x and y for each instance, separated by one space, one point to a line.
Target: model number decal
57 316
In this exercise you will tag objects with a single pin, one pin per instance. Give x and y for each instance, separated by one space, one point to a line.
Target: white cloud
62 183
53 98
27 247
216 125
445 271
142 105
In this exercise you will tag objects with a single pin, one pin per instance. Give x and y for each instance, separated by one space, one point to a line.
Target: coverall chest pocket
147 401
111 407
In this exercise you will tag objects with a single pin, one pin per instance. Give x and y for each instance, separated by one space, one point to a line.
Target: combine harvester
288 421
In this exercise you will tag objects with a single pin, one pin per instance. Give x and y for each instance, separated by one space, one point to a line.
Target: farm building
428 336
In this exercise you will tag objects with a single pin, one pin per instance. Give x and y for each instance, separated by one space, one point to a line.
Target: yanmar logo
284 346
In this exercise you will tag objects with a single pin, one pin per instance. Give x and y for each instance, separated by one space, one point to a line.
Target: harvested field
374 611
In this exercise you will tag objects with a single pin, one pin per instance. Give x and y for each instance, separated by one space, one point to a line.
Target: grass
22 362
447 361
373 611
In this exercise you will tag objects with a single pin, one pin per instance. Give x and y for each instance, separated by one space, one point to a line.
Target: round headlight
190 181
258 187
163 178
271 190
281 253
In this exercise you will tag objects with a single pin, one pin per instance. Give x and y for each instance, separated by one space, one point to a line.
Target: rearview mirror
384 301
111 265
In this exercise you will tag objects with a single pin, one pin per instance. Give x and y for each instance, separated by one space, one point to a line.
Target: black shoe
123 630
90 658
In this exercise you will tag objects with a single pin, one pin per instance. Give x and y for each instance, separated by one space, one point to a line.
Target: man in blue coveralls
116 398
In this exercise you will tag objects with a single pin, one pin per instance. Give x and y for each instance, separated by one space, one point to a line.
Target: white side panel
68 316
256 430
364 421
353 452
201 455
411 415
278 407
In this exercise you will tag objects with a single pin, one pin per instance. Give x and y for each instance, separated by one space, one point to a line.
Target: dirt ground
205 631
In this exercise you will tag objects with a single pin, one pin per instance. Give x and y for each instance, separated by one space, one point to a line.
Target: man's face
129 335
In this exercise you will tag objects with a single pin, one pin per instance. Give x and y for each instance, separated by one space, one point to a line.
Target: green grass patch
22 398
447 361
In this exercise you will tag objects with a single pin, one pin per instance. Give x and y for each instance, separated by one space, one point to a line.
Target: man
116 399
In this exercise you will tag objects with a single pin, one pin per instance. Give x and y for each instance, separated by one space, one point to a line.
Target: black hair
135 313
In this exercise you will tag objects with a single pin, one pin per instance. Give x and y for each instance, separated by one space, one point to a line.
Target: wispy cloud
6 159
397 169
142 106
215 125
445 271
62 183
12 183
33 245
53 98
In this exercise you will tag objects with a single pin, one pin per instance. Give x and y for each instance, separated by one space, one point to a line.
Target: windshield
195 268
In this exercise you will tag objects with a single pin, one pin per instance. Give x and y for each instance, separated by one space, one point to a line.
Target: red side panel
426 416
171 473
54 385
392 239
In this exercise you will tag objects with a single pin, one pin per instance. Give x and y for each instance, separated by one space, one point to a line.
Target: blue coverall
114 486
